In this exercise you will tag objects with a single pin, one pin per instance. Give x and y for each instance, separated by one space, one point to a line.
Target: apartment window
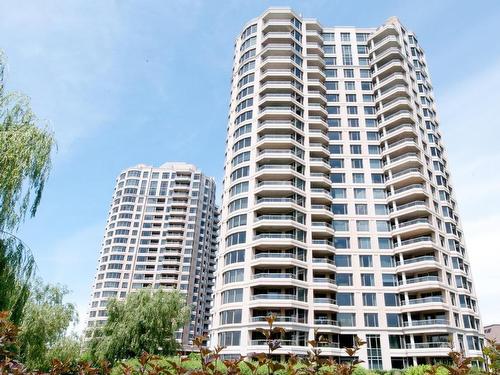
362 225
339 209
231 338
362 49
374 352
332 98
230 316
381 209
359 193
338 193
357 163
369 299
331 73
337 178
345 37
384 243
361 209
346 319
368 98
373 150
365 260
354 136
344 279
371 320
332 85
377 178
347 54
237 221
372 136
383 226
371 123
337 163
379 194
236 238
336 149
358 178
375 163
233 276
391 299
355 149
365 73
352 110
341 242
389 279
350 98
232 295
329 50
350 85
234 257
353 122
367 279
393 320
341 225
342 261
330 61
345 299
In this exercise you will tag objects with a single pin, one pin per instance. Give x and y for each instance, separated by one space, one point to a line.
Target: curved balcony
278 24
274 85
321 211
314 48
400 147
315 60
409 160
273 49
325 301
319 164
277 187
321 194
426 322
268 156
273 97
394 105
272 203
272 125
390 41
283 171
325 245
319 148
322 227
317 122
315 72
390 81
316 85
423 242
391 93
406 177
277 37
410 192
382 32
277 239
386 55
397 118
413 227
281 140
422 283
326 322
279 222
278 62
279 318
388 68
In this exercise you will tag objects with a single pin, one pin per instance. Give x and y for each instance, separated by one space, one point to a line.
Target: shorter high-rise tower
161 233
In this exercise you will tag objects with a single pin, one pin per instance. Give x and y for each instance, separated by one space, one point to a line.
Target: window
371 123
332 85
233 276
352 110
362 49
338 193
341 242
347 55
381 209
379 194
337 178
345 299
342 261
383 226
355 149
354 136
369 299
232 295
365 85
393 320
389 279
364 243
365 73
349 85
345 37
391 299
341 225
358 178
337 163
353 122
361 209
346 319
336 149
238 204
362 225
357 163
360 193
371 320
331 73
231 338
237 221
236 238
234 257
344 279
367 279
374 352
365 260
384 243
377 178
373 149
332 98
375 163
339 209
372 136
230 316
350 98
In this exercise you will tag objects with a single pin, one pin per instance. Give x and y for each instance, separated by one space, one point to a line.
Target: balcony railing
279 318
410 222
408 205
277 296
323 261
401 141
272 275
409 187
422 279
276 255
416 240
425 258
426 322
329 301
405 172
433 299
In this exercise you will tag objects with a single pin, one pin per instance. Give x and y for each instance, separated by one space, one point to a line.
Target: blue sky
127 82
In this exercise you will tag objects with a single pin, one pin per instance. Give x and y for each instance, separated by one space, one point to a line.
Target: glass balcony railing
273 275
422 279
329 301
326 322
426 322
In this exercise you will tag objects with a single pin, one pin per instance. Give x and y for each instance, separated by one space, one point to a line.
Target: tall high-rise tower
161 233
338 213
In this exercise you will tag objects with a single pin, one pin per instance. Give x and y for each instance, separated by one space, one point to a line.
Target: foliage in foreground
145 321
209 362
25 161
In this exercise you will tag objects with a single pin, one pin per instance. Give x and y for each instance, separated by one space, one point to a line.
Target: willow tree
25 161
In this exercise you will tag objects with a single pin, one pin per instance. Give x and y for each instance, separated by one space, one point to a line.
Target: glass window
367 279
337 178
393 320
381 209
389 279
346 319
375 163
336 149
345 299
357 163
364 243
384 243
355 149
379 194
344 279
341 225
341 242
371 320
354 136
366 260
337 163
342 261
361 209
358 178
383 226
360 193
391 299
349 85
387 261
377 178
339 209
369 299
362 226
335 135
338 193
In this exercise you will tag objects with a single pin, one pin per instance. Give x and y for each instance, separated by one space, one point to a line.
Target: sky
128 82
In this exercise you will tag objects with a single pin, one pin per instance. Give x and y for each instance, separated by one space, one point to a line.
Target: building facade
338 215
161 233
492 332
